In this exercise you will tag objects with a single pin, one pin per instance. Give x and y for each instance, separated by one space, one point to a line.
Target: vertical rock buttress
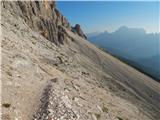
41 16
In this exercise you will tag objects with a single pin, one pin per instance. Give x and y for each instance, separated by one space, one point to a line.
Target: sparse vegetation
44 33
34 39
105 109
54 80
34 42
9 73
119 118
97 116
102 49
6 105
85 73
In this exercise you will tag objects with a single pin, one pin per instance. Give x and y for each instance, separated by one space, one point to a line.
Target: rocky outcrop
42 16
77 29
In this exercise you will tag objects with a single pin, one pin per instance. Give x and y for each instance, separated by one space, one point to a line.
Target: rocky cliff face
43 17
43 80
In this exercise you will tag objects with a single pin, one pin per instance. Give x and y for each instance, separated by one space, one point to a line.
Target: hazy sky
100 16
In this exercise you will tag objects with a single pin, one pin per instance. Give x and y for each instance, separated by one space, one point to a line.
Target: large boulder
77 29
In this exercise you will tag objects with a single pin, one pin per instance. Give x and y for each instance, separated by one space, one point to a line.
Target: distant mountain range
139 48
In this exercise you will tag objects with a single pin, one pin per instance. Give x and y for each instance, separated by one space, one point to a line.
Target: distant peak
129 29
123 28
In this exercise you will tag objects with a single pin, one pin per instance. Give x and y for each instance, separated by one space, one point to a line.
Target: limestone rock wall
42 16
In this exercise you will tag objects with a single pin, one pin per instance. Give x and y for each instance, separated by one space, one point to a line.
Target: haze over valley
139 48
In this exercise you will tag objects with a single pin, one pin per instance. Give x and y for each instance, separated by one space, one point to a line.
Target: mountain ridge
133 44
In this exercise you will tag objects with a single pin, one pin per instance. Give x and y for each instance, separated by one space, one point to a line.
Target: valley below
133 46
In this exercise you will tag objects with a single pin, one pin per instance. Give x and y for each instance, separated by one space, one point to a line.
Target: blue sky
100 16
